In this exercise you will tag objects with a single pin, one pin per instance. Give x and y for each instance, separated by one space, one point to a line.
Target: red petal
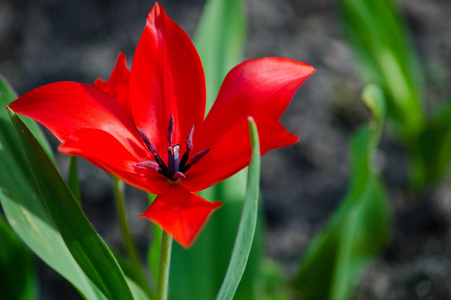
166 78
107 153
181 213
261 88
233 152
66 107
118 84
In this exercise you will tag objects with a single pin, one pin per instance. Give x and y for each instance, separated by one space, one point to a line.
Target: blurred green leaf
248 222
358 230
17 271
139 289
74 183
153 253
387 58
434 148
88 249
23 204
220 40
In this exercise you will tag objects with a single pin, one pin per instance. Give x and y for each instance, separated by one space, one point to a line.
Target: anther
170 128
198 156
178 175
150 164
147 141
189 139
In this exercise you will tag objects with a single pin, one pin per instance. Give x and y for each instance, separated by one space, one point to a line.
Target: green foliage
387 59
23 206
87 248
220 41
248 222
17 271
74 183
358 229
153 253
433 146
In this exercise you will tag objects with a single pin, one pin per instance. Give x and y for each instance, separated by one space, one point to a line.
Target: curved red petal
106 152
261 88
66 107
232 152
181 213
118 84
166 78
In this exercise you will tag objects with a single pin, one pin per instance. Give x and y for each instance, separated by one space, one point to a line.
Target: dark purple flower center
176 167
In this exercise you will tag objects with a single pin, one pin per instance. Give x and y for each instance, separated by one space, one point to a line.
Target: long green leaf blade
248 222
23 206
88 249
17 272
74 183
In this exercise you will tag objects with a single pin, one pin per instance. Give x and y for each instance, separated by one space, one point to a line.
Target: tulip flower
147 127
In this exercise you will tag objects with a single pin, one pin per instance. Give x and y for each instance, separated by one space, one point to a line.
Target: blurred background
45 41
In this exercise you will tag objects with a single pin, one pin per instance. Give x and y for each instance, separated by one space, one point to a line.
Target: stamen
149 164
184 160
160 162
178 175
198 156
170 128
189 139
147 141
186 168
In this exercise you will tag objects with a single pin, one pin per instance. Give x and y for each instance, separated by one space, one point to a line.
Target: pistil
176 167
173 159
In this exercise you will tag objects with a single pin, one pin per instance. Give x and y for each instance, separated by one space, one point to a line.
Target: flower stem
163 269
130 245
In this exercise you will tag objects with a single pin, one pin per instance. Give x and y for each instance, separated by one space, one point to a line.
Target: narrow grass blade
248 222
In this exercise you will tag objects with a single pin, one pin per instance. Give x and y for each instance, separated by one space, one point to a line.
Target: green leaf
17 271
24 208
434 149
153 253
358 229
248 222
87 248
220 41
387 58
74 183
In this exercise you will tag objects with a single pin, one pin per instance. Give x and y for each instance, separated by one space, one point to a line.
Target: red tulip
147 127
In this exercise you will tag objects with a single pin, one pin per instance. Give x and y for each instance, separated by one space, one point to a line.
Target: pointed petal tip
181 214
157 11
